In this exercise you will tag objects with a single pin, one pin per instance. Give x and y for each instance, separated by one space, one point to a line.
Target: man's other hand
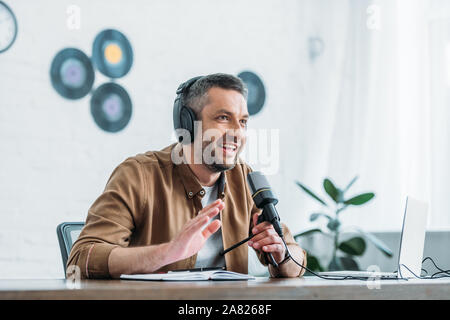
194 234
267 239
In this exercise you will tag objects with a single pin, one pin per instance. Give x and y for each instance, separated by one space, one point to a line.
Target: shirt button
191 194
202 192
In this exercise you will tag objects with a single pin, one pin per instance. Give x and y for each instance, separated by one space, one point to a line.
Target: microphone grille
256 181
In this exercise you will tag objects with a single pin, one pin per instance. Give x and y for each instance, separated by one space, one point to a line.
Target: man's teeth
229 146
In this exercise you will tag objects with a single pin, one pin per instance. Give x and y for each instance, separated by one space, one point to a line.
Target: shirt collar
190 182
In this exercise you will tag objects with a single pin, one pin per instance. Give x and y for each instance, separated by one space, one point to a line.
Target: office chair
68 233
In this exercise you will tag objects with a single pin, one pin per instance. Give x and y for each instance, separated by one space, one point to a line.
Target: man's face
224 122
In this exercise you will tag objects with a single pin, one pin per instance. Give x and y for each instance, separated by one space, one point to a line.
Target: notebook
215 275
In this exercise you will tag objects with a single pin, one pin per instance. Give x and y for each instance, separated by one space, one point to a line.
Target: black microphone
264 199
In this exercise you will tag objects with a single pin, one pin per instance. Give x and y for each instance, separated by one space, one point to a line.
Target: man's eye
244 122
223 117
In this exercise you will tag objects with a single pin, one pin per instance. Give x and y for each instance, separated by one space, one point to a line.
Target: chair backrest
68 233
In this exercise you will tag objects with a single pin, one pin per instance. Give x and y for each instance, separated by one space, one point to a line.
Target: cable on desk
319 276
447 272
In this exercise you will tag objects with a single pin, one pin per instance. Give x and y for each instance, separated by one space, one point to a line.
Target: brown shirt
148 199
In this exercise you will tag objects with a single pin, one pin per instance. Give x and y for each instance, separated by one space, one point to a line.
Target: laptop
412 243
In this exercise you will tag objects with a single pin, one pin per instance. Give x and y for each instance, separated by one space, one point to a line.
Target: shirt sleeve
110 221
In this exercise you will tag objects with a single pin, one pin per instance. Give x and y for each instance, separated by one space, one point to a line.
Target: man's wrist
286 258
278 257
283 269
167 253
156 257
287 267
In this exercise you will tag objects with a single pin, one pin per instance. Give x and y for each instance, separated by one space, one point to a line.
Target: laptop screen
413 238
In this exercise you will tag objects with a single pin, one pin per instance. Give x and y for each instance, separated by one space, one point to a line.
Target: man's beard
216 166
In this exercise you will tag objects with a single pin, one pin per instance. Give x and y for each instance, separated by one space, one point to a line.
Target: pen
197 269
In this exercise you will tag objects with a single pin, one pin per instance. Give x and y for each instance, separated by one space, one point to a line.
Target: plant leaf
331 190
334 224
354 246
377 243
306 233
314 216
313 263
350 184
361 199
312 194
335 265
348 263
343 263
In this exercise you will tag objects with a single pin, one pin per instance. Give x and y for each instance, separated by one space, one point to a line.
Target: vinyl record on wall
8 27
256 91
111 107
71 73
112 54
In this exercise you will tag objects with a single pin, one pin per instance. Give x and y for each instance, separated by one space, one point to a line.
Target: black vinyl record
256 91
112 54
111 107
72 74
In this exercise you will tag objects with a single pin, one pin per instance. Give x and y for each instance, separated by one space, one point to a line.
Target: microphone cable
446 272
318 275
441 271
433 276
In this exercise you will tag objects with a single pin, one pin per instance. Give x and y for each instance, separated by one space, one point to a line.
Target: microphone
264 199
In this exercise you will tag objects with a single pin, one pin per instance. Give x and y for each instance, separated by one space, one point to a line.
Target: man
158 213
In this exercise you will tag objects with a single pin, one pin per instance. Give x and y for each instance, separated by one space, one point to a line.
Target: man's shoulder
160 158
244 166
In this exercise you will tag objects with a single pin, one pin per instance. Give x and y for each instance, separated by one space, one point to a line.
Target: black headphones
183 116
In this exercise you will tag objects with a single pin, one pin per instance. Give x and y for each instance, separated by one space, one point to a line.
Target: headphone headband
185 86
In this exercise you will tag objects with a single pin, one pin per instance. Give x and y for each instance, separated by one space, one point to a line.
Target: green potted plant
343 251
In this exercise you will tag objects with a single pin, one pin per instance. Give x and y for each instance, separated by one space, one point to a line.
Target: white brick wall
54 161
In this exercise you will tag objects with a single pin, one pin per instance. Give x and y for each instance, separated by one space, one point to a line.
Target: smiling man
179 207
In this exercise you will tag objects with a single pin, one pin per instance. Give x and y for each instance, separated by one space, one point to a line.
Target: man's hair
198 92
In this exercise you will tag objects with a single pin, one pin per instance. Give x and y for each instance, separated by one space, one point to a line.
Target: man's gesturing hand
192 237
267 239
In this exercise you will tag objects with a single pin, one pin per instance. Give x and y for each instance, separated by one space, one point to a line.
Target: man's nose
235 135
236 125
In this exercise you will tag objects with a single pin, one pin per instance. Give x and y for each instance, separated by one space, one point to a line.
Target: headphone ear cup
183 116
177 113
187 118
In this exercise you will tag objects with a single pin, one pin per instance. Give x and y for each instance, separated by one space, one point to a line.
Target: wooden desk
259 289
